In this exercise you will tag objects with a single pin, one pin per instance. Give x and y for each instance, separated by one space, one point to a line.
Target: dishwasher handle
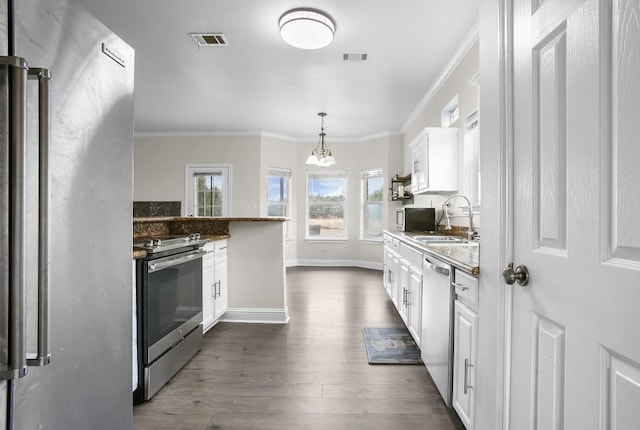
436 268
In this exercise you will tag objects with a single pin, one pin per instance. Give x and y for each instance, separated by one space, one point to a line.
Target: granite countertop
204 219
169 227
463 255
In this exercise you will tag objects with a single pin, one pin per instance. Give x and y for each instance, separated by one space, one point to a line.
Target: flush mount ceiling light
321 155
307 28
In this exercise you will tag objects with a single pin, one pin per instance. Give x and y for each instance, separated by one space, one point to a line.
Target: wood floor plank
310 374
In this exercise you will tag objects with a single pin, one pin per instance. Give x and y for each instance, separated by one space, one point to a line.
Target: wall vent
351 56
209 39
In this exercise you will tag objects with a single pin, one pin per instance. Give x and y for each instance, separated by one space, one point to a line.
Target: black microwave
416 219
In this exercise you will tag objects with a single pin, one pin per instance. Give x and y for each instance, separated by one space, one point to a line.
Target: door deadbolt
519 275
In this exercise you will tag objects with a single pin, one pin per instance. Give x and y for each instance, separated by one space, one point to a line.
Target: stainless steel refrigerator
66 135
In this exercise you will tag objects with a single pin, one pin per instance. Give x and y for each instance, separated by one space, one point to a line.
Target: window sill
326 239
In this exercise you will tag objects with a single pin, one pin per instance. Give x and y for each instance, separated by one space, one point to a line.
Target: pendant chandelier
321 155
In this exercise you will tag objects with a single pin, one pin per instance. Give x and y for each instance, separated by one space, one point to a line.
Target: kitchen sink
465 244
433 239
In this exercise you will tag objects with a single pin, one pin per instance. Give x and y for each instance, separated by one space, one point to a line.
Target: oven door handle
170 262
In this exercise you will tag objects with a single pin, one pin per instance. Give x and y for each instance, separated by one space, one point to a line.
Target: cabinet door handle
460 287
407 295
467 365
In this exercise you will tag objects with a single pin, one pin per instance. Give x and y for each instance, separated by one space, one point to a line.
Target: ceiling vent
209 39
354 57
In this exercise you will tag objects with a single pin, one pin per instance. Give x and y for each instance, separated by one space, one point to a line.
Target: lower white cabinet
392 269
465 346
414 303
220 296
403 281
410 291
214 283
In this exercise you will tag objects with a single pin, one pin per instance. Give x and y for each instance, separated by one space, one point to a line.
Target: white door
575 340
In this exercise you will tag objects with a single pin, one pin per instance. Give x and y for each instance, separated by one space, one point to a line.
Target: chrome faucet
471 233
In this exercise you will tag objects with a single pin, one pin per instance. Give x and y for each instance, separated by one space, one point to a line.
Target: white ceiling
259 83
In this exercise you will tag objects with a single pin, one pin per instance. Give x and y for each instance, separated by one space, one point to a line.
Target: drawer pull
460 287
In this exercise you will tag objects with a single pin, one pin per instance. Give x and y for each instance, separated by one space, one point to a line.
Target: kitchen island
256 265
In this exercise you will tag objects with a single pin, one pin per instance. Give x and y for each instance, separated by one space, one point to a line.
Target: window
372 183
279 194
326 205
450 114
454 114
207 190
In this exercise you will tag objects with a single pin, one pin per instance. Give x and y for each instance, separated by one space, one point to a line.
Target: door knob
519 275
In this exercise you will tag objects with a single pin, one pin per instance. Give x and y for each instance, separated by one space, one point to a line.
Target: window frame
190 170
287 174
337 174
365 175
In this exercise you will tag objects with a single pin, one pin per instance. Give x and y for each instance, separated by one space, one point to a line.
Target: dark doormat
390 346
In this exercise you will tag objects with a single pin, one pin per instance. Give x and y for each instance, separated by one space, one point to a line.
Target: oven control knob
148 243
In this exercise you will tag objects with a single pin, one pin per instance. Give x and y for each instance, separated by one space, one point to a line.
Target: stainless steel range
169 309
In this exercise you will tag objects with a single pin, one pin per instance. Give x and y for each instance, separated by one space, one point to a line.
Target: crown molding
467 43
263 134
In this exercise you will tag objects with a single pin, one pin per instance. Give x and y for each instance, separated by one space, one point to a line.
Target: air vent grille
352 56
209 39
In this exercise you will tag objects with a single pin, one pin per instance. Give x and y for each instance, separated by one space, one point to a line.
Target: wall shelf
405 181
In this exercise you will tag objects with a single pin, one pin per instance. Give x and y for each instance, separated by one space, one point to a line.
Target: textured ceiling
260 84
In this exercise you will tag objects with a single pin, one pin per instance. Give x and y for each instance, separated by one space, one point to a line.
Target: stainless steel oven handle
165 264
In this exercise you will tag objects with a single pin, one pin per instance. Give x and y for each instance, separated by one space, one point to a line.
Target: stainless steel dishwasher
437 324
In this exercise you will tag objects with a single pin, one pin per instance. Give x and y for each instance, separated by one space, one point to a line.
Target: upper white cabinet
434 155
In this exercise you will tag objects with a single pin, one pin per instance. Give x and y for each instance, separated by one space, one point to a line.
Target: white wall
354 156
280 152
457 83
159 175
159 164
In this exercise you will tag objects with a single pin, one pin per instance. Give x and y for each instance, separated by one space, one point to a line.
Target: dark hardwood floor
310 374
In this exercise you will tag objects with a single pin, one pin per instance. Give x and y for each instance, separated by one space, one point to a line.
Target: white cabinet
403 290
386 262
403 281
221 298
391 279
465 346
419 167
434 156
214 283
208 263
410 298
414 303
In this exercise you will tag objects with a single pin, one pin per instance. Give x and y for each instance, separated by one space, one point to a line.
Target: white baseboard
339 263
257 315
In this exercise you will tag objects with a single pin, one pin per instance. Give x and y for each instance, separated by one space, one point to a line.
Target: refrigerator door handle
43 357
16 68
